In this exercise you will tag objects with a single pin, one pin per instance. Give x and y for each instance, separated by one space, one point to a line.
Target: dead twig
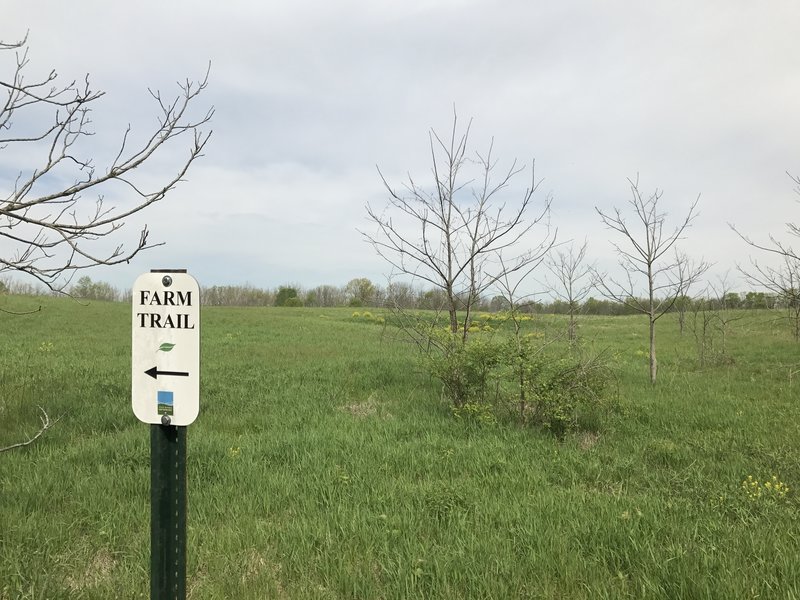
24 312
46 424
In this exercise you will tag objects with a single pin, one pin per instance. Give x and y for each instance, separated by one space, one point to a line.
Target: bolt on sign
165 349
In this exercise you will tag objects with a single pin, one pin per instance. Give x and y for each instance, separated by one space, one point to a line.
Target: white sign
165 349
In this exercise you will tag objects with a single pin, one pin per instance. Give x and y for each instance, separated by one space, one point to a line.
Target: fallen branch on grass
46 424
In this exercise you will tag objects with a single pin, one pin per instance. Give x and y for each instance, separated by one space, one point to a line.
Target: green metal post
167 512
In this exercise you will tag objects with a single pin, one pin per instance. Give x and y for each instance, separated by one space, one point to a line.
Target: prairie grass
324 465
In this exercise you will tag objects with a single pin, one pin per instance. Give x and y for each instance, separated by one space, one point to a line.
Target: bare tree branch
50 224
782 280
776 246
46 424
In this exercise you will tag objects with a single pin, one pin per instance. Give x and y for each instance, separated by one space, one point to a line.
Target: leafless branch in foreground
46 424
775 246
782 280
53 212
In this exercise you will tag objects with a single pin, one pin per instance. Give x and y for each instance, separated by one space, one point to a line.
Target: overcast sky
698 98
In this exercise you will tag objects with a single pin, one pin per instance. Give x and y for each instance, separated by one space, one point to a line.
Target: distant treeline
362 292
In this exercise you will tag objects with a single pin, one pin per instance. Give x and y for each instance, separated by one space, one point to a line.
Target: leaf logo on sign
166 347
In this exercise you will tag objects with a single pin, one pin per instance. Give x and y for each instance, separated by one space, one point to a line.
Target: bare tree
54 212
451 233
682 304
702 325
574 281
725 299
712 313
400 295
776 246
325 295
783 280
650 253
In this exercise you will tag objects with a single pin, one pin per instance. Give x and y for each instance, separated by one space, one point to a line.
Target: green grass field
323 465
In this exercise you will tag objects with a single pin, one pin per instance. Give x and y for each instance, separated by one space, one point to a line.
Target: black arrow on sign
154 373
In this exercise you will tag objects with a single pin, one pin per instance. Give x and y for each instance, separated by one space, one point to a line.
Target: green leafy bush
484 378
565 391
477 413
285 293
293 301
466 369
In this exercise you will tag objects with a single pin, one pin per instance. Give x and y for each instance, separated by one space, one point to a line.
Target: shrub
567 391
294 301
488 374
483 378
476 413
464 368
284 294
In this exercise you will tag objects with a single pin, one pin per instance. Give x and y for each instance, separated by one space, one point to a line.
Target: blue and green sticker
165 403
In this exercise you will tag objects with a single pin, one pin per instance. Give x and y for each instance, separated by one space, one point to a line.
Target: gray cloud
698 98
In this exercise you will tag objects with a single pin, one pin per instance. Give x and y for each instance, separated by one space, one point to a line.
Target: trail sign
165 348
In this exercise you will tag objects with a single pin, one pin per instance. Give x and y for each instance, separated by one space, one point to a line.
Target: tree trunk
652 315
653 361
451 309
571 331
453 318
796 319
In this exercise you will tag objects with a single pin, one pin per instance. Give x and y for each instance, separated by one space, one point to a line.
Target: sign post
167 512
165 392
